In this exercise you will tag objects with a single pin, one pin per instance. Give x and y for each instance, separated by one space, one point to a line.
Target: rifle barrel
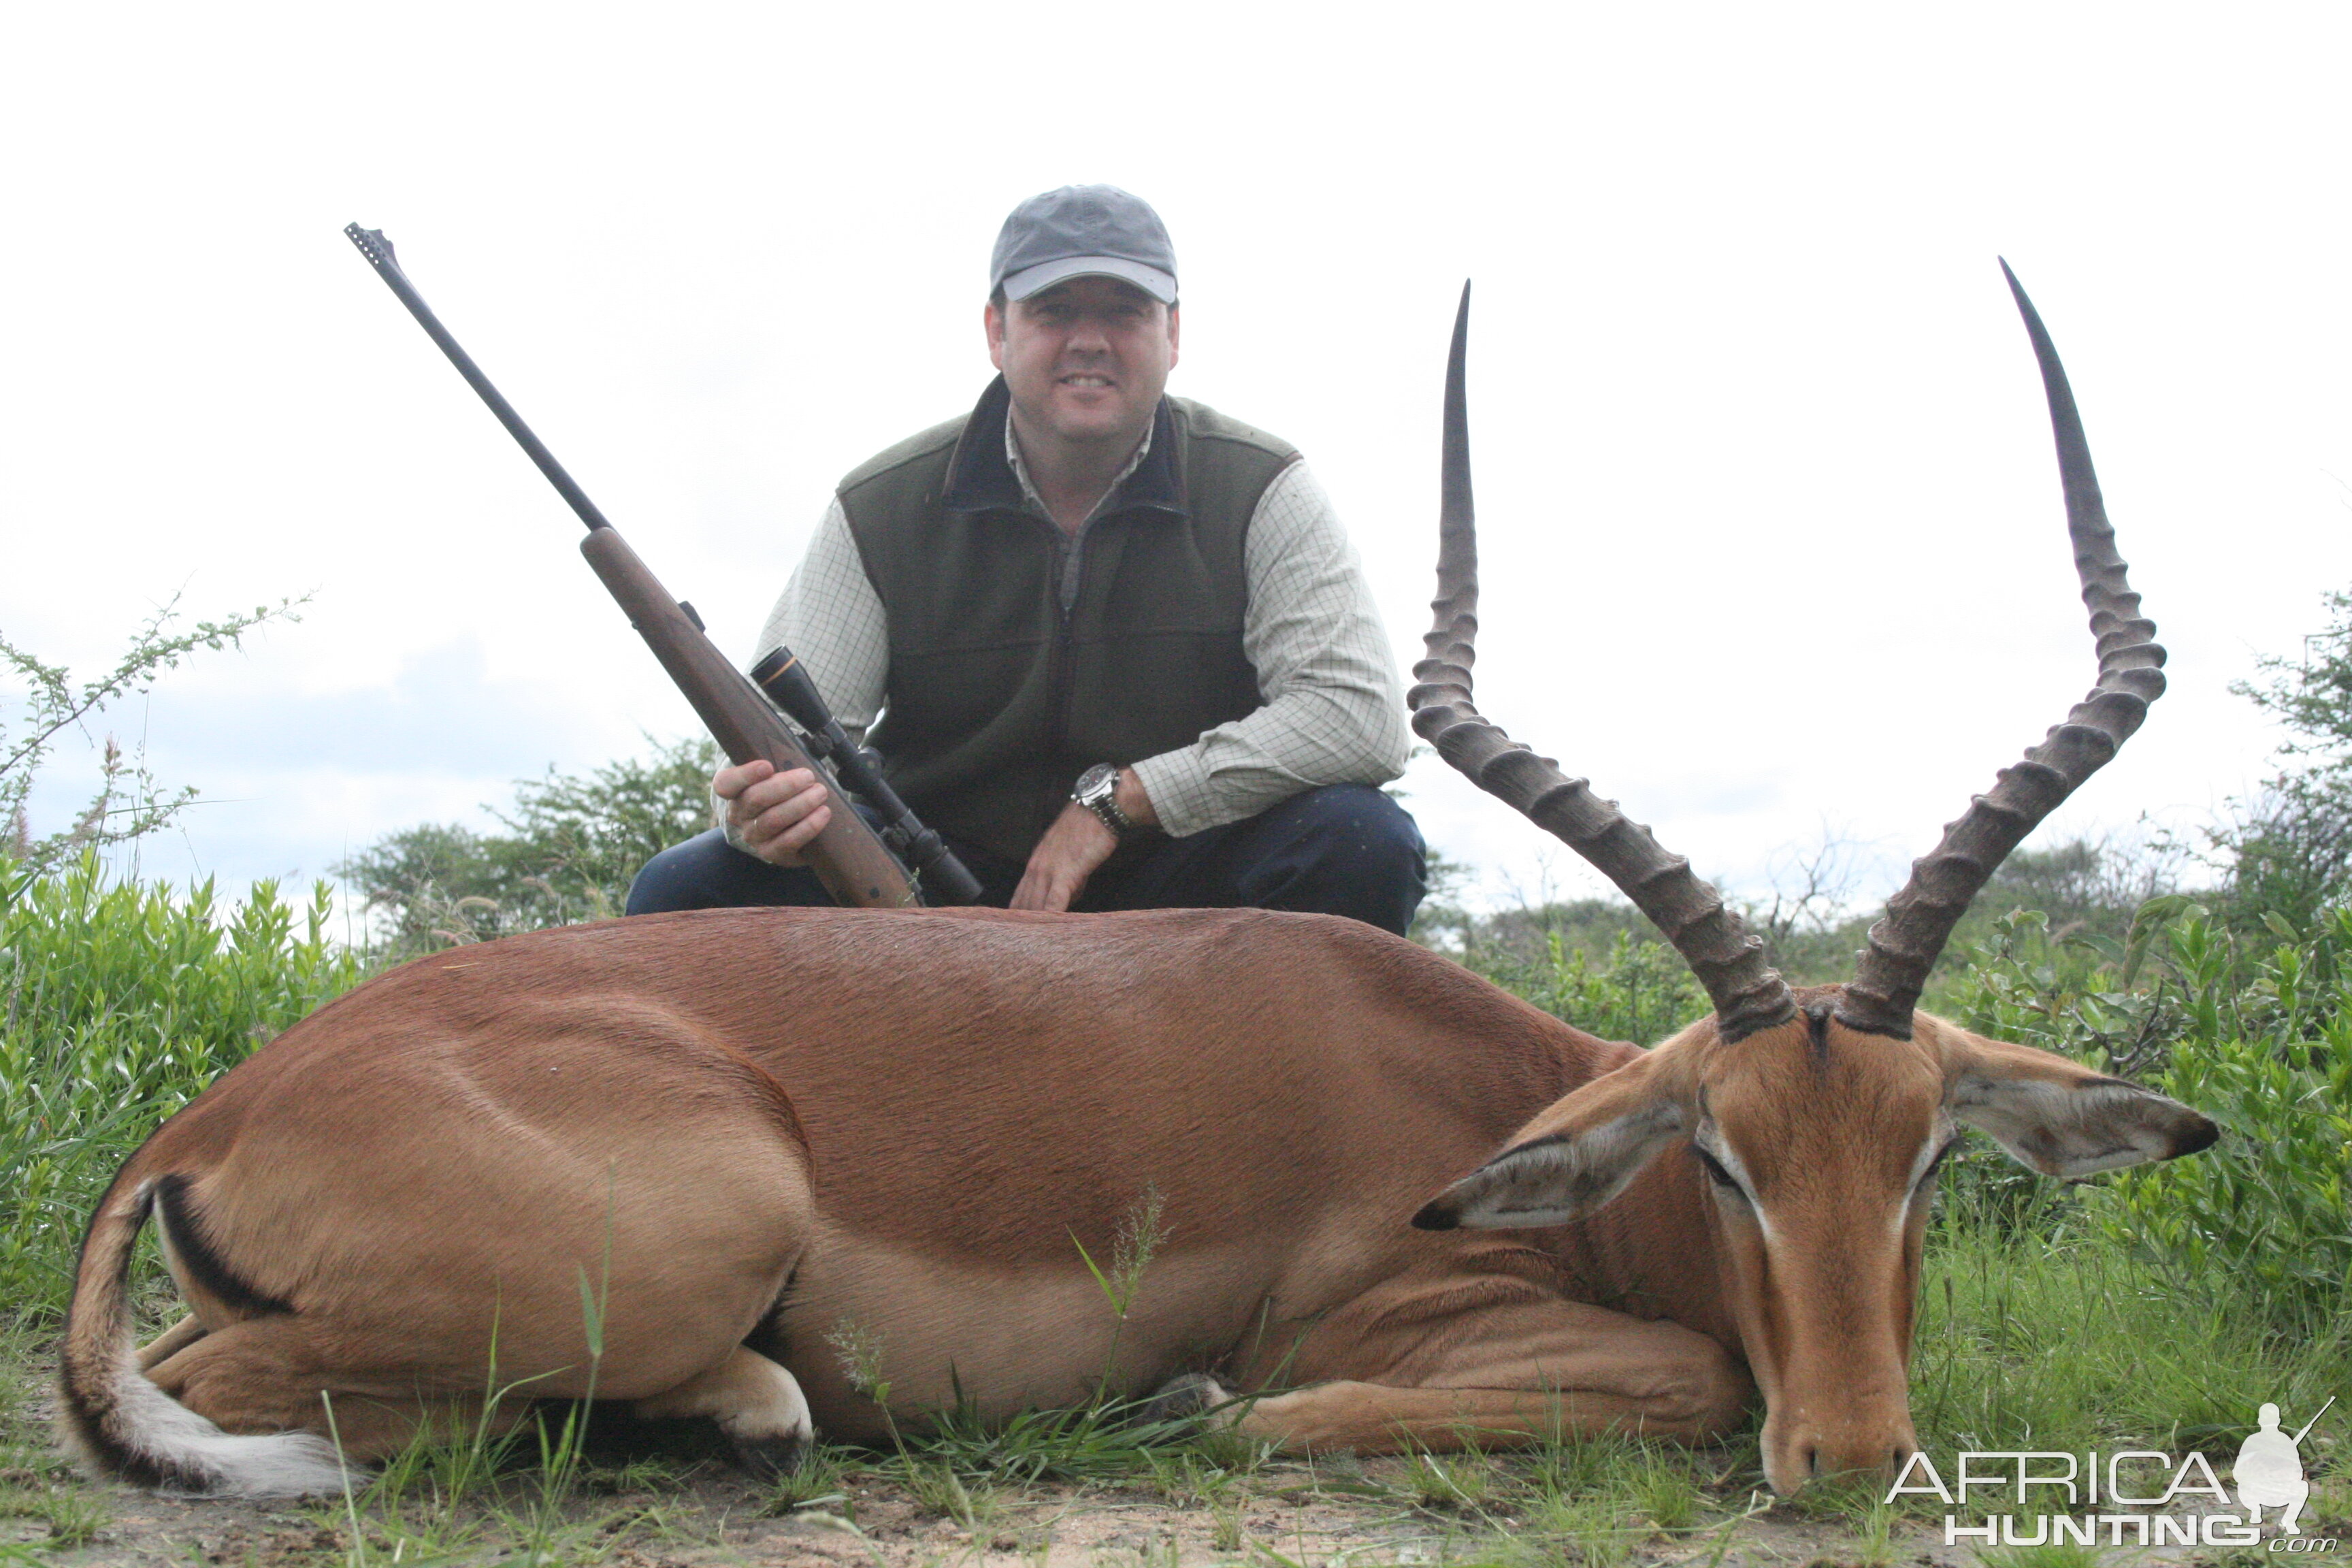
378 252
847 856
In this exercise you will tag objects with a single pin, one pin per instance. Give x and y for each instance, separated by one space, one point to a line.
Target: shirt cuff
1182 795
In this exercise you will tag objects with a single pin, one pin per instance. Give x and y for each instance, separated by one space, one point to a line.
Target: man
1122 653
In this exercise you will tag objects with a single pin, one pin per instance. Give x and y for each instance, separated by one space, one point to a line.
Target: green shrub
122 1002
2268 1209
2256 1036
1639 990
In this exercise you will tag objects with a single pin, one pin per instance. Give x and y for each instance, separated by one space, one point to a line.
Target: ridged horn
1905 943
1748 994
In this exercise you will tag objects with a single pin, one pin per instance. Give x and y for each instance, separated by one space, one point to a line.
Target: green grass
72 1515
1450 1483
2061 1554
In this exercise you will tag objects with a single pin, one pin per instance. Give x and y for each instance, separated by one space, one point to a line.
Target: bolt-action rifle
857 865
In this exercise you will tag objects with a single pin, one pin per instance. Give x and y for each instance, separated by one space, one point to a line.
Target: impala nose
1858 1450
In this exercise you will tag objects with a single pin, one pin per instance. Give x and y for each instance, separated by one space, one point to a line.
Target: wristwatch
1098 791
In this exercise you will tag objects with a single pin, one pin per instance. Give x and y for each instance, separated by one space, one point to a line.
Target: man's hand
1075 845
770 815
1063 860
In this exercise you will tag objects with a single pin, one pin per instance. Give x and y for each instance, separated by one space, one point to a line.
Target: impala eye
1715 1171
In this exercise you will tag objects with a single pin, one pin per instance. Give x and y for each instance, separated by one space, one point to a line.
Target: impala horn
1748 994
1904 944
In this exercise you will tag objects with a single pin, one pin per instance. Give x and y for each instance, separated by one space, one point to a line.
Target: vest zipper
1069 572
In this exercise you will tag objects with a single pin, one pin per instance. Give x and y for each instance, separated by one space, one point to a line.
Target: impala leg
1503 1375
756 1404
170 1342
254 1376
1373 1418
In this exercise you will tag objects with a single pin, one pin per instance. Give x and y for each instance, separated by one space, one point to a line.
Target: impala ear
2059 1117
1571 1160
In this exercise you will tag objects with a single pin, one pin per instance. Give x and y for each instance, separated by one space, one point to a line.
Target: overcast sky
1772 532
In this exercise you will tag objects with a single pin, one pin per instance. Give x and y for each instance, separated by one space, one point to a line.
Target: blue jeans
1343 849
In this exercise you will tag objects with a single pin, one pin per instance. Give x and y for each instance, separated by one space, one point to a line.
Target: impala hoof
1182 1398
771 1458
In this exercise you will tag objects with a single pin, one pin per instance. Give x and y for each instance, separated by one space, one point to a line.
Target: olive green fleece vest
999 694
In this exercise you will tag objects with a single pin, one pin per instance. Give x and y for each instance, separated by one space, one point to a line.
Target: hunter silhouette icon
2269 1472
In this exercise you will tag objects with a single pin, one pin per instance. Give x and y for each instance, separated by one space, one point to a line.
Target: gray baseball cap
1083 231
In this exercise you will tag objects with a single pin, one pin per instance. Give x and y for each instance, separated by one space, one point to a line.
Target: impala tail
124 1425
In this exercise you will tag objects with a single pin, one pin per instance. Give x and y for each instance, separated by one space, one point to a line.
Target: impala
1399 1205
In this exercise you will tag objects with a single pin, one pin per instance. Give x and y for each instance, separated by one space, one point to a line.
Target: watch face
1095 781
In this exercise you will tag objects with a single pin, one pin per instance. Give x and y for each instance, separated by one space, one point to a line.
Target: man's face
1086 360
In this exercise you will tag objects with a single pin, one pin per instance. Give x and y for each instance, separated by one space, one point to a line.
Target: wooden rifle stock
847 856
856 866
